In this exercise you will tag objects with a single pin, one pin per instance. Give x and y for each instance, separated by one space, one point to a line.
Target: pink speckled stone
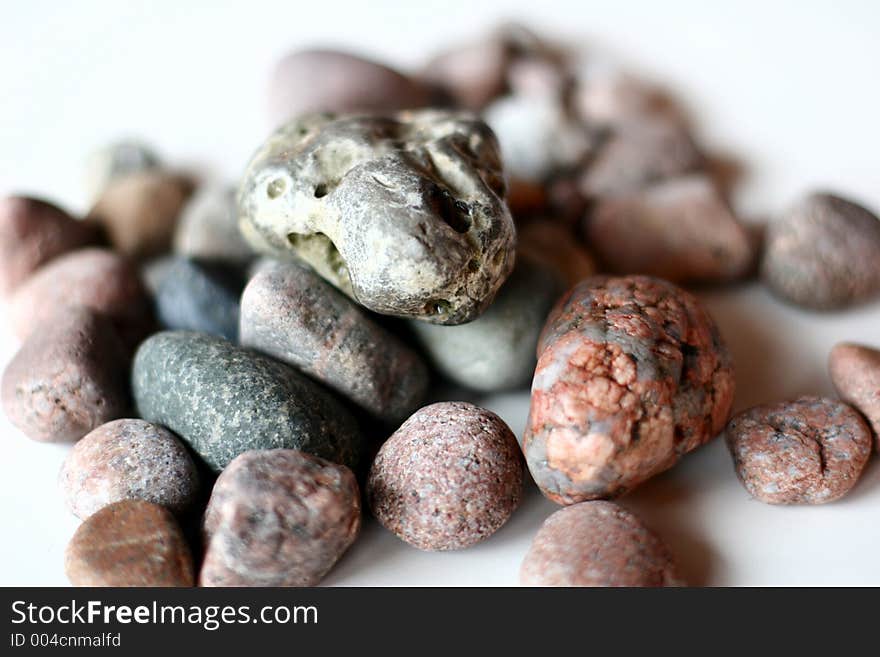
855 372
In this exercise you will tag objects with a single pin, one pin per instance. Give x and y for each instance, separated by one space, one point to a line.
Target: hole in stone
276 188
437 307
474 265
454 213
321 190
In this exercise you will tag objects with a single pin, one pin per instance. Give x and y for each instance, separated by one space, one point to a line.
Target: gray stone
116 160
208 227
290 313
224 400
497 350
406 213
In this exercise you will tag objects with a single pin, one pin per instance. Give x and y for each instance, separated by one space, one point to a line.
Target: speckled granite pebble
290 313
405 214
32 232
208 227
855 372
331 81
632 375
200 296
449 477
125 460
224 400
278 517
95 278
116 160
69 377
597 544
129 543
824 253
807 451
140 211
496 351
679 229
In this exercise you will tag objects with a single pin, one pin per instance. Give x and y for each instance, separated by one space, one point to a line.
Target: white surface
788 87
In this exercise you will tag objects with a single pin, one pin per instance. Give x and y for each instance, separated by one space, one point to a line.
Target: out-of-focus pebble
208 227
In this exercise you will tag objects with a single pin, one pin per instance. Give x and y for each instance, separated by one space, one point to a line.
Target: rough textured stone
139 211
328 81
117 160
448 478
32 232
808 451
554 245
855 372
208 227
678 229
496 351
95 278
290 313
597 544
128 460
824 253
224 400
278 517
201 296
632 374
406 213
68 378
129 543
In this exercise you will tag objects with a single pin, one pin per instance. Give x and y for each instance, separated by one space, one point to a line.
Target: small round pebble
68 378
855 372
94 278
116 160
824 253
278 517
129 543
808 451
208 227
449 477
597 544
126 460
32 232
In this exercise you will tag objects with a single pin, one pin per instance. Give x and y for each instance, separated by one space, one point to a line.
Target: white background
791 88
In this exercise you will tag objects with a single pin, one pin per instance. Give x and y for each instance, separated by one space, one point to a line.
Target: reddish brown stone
449 477
32 232
553 245
70 376
632 374
129 543
95 278
597 544
278 517
808 451
855 372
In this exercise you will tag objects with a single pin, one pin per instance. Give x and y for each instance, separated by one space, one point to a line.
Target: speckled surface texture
128 459
597 544
855 372
95 278
224 400
278 518
32 232
632 374
69 377
824 253
448 478
807 451
406 213
496 351
290 313
129 543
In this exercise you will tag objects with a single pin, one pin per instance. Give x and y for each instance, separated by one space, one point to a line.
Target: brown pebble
597 544
32 232
679 229
555 246
95 278
855 372
69 377
129 543
278 517
140 211
125 460
824 253
449 477
808 451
